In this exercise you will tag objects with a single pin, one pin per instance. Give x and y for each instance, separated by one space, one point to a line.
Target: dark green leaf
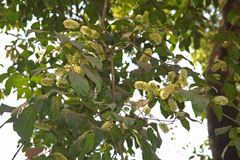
123 22
63 39
77 44
5 108
199 104
123 92
94 60
222 130
116 133
217 110
106 156
162 51
200 81
126 120
99 132
73 119
89 143
230 91
42 105
233 52
36 71
185 95
9 85
211 78
95 156
153 139
148 152
78 145
185 124
93 75
79 83
237 143
27 121
147 67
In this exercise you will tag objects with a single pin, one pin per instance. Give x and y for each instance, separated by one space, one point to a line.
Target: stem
18 150
113 82
104 13
120 149
231 118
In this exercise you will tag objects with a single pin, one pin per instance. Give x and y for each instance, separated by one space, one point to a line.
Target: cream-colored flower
141 85
221 100
139 18
172 104
89 32
164 127
47 81
78 69
171 76
152 86
107 125
146 110
69 23
156 37
167 90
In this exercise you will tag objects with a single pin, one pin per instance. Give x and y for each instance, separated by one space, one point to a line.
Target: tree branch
104 13
18 150
231 118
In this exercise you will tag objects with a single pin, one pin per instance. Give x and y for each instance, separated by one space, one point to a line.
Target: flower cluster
164 127
60 71
62 82
172 104
55 103
205 89
76 68
48 79
145 19
146 110
89 32
171 76
144 58
107 125
167 90
69 23
98 48
43 125
221 100
219 64
156 37
152 86
141 85
216 76
183 78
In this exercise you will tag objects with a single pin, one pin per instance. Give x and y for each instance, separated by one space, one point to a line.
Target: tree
74 74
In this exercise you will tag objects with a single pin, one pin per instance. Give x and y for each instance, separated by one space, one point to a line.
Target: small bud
226 44
171 76
145 19
221 100
205 89
164 127
223 65
150 95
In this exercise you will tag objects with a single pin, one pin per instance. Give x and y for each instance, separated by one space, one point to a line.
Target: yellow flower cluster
141 85
72 59
55 103
146 110
145 19
219 64
60 71
164 127
78 69
152 86
167 90
48 79
59 156
221 100
43 125
156 37
171 76
98 48
139 18
69 23
107 125
172 104
62 82
205 89
89 32
183 78
144 58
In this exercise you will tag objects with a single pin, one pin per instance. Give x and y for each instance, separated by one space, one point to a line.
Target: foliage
75 72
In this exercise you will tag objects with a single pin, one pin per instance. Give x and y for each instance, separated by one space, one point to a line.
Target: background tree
75 75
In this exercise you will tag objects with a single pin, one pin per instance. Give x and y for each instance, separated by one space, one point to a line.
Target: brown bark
218 143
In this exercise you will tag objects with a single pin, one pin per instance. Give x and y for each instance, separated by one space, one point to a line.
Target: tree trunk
218 143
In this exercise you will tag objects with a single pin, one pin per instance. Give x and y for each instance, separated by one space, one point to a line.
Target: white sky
170 149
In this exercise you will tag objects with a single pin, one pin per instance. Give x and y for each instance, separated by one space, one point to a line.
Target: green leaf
220 36
5 108
36 71
126 120
27 121
89 143
148 152
153 139
79 83
230 91
224 151
42 105
217 110
233 52
78 145
99 132
9 85
116 133
77 44
73 119
200 81
185 95
147 67
106 156
123 92
237 143
4 76
185 124
63 39
95 156
222 130
93 75
120 22
199 104
212 79
10 120
162 51
94 60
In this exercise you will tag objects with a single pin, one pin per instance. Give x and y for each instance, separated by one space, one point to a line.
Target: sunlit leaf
89 143
79 83
199 104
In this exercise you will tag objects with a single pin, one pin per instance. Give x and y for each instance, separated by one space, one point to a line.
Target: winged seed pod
69 23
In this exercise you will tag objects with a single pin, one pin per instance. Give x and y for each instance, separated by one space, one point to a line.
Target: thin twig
113 82
231 118
120 149
18 150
